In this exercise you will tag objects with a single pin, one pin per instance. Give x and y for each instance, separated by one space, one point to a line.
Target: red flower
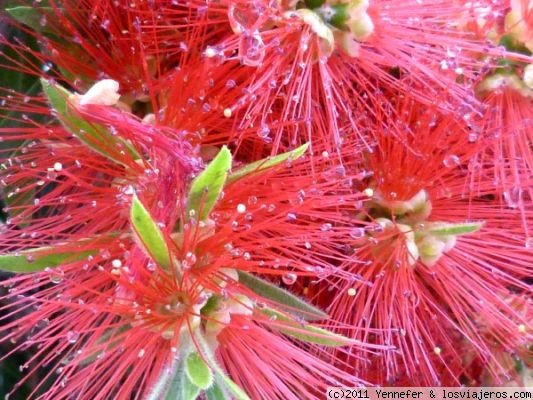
301 81
131 291
507 125
432 261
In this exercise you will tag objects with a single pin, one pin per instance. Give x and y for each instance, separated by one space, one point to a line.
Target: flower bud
362 27
104 93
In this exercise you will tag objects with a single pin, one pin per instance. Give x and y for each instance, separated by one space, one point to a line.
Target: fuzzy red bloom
432 263
298 81
115 311
89 41
508 125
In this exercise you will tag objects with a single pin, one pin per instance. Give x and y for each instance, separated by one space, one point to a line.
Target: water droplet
326 227
289 278
356 233
206 107
529 243
189 261
72 336
513 197
263 131
473 137
251 49
56 277
245 16
252 200
451 161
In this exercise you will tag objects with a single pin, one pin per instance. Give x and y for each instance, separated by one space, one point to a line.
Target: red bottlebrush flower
507 123
133 291
432 262
301 81
89 41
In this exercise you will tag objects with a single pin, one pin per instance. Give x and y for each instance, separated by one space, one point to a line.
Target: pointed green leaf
215 392
292 303
211 305
209 184
450 229
221 379
267 163
95 136
31 16
149 234
306 333
231 386
39 259
189 390
172 382
198 371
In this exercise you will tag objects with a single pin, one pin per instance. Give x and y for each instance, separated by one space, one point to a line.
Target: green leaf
306 333
450 229
149 234
212 181
95 136
215 392
221 379
174 384
231 386
211 305
198 371
39 259
32 17
283 298
267 163
171 384
189 390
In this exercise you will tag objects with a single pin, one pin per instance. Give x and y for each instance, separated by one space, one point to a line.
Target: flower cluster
258 199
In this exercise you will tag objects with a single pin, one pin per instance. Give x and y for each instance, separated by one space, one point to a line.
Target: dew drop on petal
263 131
326 227
289 278
72 336
451 161
473 137
529 243
251 49
356 233
513 197
252 200
291 217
